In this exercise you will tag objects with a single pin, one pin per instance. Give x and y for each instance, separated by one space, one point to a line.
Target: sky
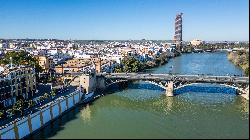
208 20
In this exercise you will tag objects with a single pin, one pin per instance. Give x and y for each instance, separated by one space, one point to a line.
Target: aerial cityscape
124 69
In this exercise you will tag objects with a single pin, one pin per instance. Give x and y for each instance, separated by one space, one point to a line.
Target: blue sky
124 19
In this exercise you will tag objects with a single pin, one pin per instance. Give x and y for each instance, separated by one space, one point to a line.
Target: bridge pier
170 89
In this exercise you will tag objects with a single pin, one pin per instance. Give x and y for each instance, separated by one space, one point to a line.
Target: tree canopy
21 58
130 64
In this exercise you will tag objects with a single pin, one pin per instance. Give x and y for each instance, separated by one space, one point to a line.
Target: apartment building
80 65
16 82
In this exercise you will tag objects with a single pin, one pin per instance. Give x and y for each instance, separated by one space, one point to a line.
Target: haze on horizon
124 19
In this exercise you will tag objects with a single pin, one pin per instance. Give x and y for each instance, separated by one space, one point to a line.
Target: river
143 111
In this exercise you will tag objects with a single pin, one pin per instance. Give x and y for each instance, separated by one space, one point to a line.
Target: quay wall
28 124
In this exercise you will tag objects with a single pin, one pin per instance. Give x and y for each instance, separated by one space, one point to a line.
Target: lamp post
51 86
11 62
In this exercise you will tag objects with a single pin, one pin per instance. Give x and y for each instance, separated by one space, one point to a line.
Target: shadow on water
134 85
146 86
51 129
205 89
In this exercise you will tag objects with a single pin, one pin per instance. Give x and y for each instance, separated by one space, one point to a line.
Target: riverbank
157 61
133 64
240 59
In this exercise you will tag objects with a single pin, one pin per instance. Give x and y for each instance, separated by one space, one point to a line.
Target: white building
196 42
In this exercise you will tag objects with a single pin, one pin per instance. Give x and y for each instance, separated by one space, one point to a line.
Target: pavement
42 89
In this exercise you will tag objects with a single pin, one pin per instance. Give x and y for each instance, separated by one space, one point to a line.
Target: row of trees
19 107
131 64
21 104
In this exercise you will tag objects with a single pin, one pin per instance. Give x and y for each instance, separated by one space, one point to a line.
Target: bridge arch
175 82
176 87
115 82
239 90
156 84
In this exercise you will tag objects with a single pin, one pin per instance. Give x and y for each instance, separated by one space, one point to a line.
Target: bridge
170 82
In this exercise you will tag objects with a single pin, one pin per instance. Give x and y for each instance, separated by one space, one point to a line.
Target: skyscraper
178 31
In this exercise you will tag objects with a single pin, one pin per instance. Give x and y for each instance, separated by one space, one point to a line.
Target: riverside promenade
31 123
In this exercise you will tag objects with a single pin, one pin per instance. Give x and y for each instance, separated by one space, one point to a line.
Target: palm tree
46 95
31 103
1 115
53 92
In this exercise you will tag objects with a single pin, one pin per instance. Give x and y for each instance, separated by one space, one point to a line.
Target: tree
131 64
10 111
1 115
46 96
150 64
31 103
18 107
23 58
118 69
53 92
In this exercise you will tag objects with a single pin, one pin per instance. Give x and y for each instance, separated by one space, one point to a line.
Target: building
80 65
196 42
87 82
46 63
178 31
15 83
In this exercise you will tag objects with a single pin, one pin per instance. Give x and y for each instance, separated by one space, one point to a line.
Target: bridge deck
168 77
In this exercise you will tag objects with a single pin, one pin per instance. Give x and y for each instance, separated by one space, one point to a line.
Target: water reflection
164 103
86 113
169 103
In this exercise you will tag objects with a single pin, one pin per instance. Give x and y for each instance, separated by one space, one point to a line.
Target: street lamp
11 62
51 88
